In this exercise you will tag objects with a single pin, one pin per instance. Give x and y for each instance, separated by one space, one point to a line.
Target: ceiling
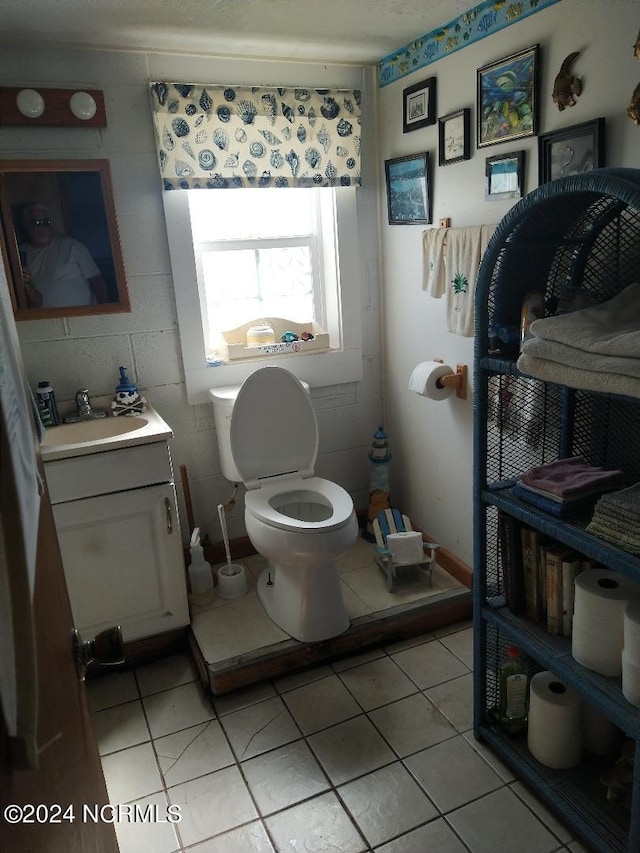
355 31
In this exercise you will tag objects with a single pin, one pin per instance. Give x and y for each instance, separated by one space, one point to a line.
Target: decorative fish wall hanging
566 86
633 110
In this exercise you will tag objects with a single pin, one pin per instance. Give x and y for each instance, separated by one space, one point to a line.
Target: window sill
333 367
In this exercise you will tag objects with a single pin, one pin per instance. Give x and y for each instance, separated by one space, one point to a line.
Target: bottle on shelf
513 693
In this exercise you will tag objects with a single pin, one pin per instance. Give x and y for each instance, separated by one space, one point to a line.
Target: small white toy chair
399 547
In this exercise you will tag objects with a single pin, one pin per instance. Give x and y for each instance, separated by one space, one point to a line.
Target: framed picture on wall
454 137
419 105
507 98
571 151
504 176
408 194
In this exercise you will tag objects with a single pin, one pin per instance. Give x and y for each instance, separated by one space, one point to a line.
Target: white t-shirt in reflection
61 272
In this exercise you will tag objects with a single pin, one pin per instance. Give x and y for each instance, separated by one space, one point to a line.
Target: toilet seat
269 441
262 503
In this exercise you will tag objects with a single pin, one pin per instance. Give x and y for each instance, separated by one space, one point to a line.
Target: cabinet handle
167 504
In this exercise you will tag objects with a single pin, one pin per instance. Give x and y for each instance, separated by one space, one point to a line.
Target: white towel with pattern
434 279
464 249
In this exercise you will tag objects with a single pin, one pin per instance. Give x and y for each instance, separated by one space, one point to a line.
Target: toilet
268 440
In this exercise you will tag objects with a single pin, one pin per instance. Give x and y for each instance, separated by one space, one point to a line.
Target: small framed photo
505 176
507 98
571 151
408 195
419 105
454 137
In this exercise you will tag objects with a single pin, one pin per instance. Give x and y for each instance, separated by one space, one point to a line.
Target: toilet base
308 611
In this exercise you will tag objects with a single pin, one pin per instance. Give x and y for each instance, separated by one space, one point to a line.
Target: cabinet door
123 561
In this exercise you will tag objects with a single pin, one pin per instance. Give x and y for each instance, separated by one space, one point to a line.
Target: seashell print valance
217 137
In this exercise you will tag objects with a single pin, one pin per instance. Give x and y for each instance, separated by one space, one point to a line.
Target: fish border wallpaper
483 20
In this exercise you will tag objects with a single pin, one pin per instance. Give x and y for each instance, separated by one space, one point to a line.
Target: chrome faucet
85 412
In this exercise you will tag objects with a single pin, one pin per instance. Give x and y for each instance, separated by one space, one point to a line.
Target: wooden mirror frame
79 197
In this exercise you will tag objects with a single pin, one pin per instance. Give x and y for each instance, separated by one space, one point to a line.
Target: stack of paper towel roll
598 619
631 653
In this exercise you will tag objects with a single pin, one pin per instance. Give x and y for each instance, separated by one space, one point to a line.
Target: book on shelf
572 564
530 541
554 559
511 562
543 547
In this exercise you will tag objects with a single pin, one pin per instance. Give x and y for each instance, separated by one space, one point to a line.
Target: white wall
432 441
86 352
432 448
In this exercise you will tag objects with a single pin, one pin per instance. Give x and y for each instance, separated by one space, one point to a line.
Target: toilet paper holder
457 380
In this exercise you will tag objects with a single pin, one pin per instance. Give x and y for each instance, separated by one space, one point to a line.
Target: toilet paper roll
598 619
630 679
554 734
406 548
424 380
232 581
632 630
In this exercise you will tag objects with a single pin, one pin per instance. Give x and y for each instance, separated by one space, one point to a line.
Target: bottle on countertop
200 577
47 404
513 693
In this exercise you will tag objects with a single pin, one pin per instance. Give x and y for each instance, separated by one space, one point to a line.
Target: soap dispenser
127 400
200 577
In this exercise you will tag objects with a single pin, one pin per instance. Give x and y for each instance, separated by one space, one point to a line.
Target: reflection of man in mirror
58 271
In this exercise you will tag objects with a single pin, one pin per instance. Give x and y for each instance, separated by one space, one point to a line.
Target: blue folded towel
553 507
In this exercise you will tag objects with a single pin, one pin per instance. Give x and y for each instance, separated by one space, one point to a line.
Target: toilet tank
224 399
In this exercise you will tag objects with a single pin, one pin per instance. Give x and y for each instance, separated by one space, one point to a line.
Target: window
263 253
241 255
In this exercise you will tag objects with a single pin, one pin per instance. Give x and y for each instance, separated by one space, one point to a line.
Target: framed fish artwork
507 98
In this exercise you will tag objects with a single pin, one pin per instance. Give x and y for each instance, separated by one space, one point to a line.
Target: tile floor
364 590
368 753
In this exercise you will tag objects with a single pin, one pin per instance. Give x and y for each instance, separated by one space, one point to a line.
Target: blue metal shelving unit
580 231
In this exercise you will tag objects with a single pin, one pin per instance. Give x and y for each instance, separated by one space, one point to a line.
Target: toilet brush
232 582
225 535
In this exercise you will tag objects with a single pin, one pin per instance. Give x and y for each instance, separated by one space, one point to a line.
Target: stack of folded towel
596 348
566 485
616 519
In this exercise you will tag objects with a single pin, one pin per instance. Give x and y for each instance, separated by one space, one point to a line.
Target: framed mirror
59 227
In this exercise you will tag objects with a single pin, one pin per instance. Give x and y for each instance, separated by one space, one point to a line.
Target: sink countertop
85 437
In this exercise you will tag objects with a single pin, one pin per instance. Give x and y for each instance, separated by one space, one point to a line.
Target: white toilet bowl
302 527
301 523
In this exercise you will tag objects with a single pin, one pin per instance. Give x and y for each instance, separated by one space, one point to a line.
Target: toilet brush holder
232 581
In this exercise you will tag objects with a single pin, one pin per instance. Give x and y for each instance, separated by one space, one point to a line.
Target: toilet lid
273 427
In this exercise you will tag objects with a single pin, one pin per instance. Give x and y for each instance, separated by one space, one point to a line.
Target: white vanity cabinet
117 522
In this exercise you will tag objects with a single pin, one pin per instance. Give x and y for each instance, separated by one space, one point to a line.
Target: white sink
110 433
